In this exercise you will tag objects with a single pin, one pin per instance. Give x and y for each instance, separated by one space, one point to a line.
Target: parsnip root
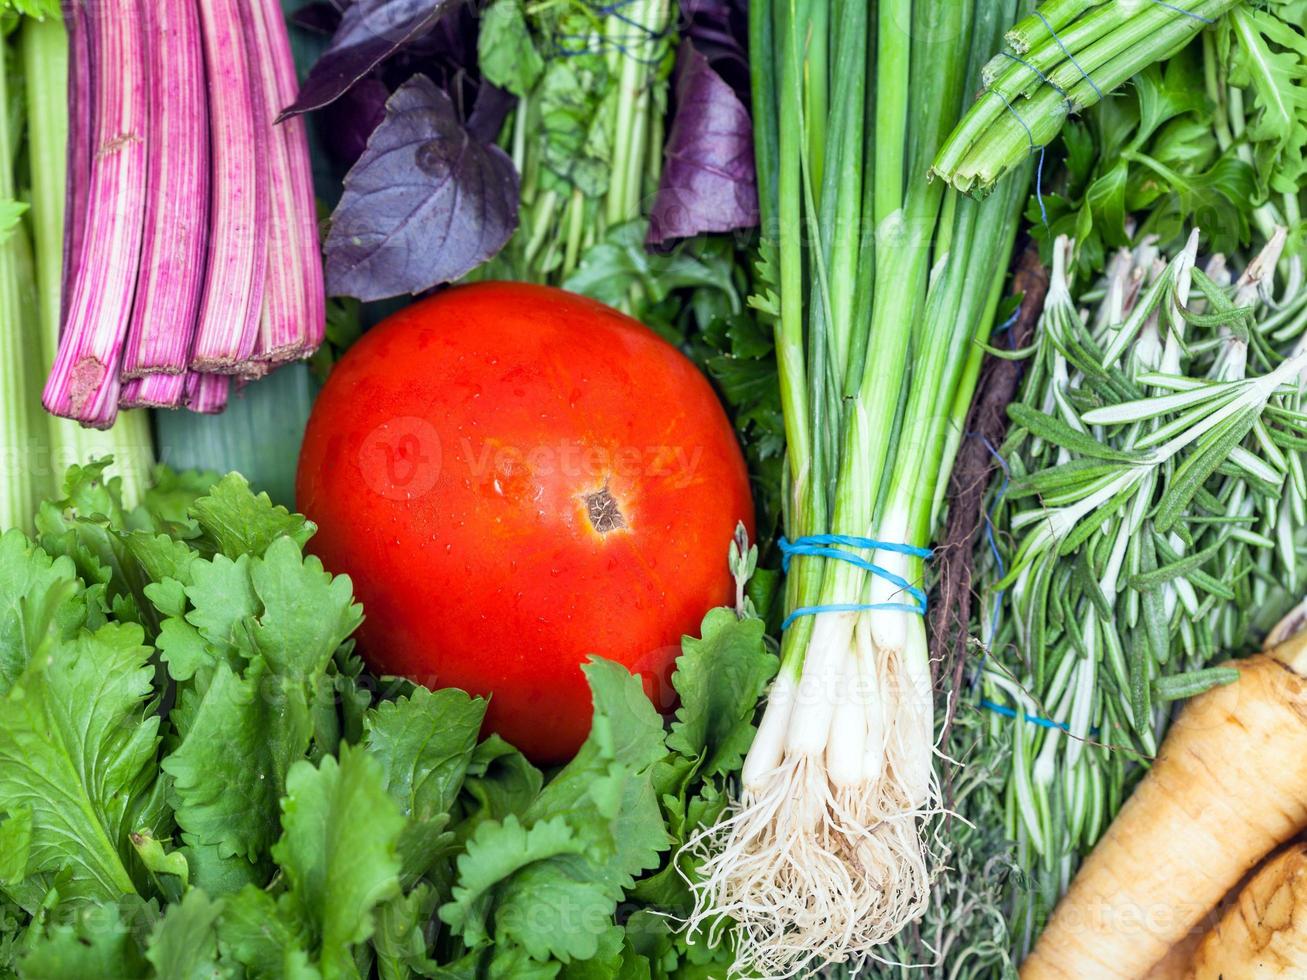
1229 785
1264 933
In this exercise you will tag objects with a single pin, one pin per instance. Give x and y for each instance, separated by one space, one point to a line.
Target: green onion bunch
880 284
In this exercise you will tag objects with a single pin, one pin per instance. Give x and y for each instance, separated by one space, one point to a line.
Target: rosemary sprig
1156 501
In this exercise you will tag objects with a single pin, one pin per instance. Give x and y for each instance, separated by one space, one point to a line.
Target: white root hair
808 866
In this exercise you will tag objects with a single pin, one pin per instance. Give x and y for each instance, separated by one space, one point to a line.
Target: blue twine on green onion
829 546
1047 81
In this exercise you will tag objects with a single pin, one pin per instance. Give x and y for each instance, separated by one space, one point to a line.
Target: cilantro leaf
495 853
223 600
547 882
307 613
236 521
424 743
278 618
500 781
720 677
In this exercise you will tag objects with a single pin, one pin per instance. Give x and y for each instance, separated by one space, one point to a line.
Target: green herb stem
1025 108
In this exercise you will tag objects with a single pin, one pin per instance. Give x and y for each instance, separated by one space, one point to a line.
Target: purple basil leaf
717 28
708 181
321 16
351 120
493 104
425 204
370 32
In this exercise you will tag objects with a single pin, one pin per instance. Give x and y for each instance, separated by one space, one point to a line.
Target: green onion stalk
1059 61
587 134
44 61
881 285
1157 493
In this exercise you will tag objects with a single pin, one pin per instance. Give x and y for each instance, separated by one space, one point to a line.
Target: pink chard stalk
230 310
207 393
177 218
84 382
154 391
294 299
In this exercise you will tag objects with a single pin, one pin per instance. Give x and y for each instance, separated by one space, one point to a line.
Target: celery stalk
17 497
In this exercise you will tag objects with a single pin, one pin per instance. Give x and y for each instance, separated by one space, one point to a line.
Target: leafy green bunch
587 132
199 778
1212 137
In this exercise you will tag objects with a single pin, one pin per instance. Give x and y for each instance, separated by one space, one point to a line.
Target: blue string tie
1006 712
1030 135
1188 13
1047 81
831 546
1070 57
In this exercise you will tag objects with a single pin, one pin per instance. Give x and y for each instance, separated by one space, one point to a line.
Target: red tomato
515 478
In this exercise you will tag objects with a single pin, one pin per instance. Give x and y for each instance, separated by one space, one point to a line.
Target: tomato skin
515 478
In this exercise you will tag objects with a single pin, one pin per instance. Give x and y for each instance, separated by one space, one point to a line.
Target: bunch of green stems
881 282
1060 60
613 61
1157 494
37 448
